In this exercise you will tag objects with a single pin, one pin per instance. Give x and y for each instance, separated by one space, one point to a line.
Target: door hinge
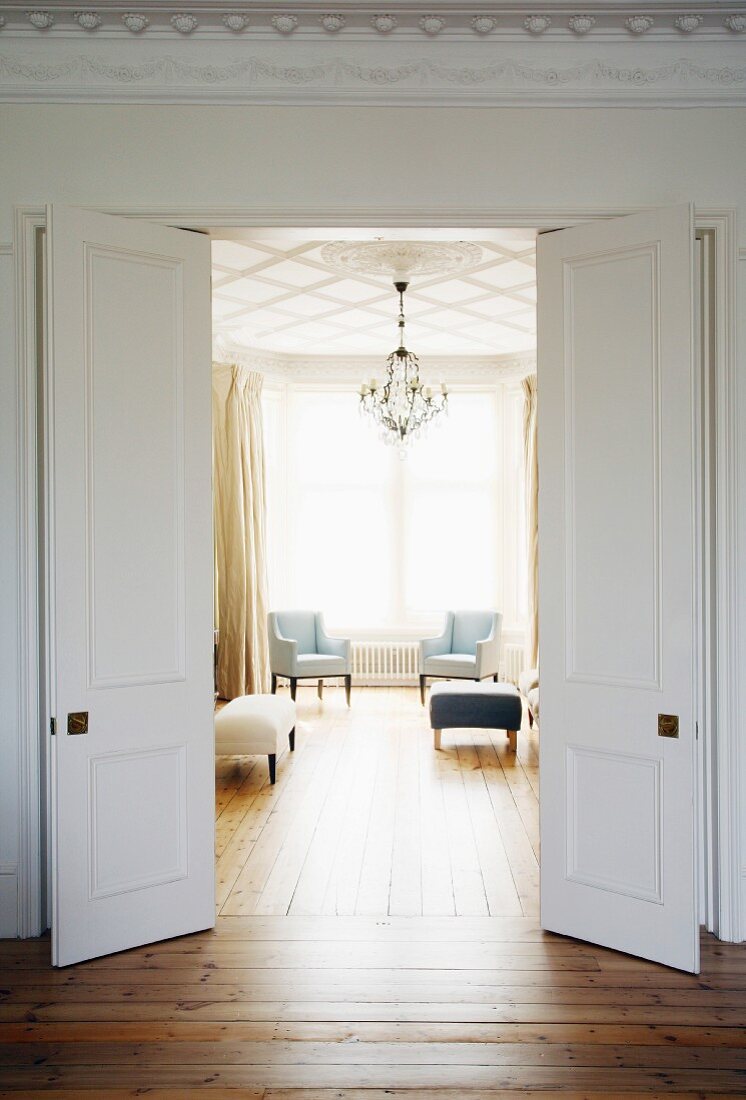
53 726
696 731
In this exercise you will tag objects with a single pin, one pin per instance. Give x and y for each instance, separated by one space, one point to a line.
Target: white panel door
617 585
129 454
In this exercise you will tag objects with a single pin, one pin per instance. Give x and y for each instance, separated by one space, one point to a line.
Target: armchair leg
495 678
512 740
274 684
348 688
320 689
293 686
272 766
436 738
423 687
291 739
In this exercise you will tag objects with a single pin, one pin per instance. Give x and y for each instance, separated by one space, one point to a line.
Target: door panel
131 569
617 584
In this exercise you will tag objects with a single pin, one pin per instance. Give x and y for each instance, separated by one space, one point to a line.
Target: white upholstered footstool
255 725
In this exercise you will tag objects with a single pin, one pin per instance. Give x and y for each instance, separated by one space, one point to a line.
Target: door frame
718 784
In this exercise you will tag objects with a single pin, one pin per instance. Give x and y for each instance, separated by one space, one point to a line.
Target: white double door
130 583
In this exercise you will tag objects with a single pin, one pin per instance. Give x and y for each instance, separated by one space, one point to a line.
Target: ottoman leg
274 684
423 686
293 686
272 766
512 740
495 678
436 738
320 689
291 739
348 688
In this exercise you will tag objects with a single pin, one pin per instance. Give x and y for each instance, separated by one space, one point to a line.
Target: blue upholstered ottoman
455 705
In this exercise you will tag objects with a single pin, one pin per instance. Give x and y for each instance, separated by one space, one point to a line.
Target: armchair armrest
333 647
441 643
488 650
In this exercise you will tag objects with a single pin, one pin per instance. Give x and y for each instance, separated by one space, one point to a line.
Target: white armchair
301 649
468 648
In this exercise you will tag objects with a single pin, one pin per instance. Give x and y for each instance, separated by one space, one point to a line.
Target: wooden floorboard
367 819
378 940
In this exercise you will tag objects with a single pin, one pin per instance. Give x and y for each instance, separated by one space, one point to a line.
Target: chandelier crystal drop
402 406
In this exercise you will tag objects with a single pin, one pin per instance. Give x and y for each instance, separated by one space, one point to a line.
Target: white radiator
396 664
513 663
385 664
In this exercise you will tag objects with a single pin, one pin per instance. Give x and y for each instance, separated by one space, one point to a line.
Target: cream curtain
531 471
240 540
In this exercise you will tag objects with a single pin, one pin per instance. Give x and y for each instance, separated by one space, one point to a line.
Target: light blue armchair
467 649
301 649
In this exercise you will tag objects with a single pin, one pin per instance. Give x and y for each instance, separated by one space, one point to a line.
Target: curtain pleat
531 472
239 490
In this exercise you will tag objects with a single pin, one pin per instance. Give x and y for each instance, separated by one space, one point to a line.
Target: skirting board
8 901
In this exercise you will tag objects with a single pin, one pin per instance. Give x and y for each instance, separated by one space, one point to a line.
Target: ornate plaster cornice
351 369
665 55
355 20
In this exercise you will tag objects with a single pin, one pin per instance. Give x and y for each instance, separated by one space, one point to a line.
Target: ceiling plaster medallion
687 23
432 24
235 21
401 259
88 20
384 24
483 24
42 20
135 21
537 24
184 22
735 23
333 22
581 24
638 24
284 24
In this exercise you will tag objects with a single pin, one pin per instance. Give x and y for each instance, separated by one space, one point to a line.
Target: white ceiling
280 296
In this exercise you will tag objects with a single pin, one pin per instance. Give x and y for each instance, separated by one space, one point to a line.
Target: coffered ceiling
281 296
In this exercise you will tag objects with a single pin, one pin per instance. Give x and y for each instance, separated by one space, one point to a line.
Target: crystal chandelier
402 406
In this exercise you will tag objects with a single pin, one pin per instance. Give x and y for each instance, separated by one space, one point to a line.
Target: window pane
451 549
330 443
342 556
462 446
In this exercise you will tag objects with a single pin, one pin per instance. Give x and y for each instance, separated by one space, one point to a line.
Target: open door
617 585
130 566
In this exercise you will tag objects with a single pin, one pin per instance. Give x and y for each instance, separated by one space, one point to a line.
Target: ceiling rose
401 259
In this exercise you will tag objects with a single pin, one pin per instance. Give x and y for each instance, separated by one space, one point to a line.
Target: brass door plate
77 722
668 725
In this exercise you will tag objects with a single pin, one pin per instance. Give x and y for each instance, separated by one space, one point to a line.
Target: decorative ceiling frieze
660 19
417 53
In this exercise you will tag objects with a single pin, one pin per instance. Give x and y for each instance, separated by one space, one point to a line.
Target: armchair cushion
321 664
451 664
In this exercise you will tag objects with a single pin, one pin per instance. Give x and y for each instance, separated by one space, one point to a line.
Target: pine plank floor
367 819
370 1008
363 959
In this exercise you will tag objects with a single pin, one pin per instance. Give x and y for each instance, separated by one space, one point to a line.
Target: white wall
347 161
